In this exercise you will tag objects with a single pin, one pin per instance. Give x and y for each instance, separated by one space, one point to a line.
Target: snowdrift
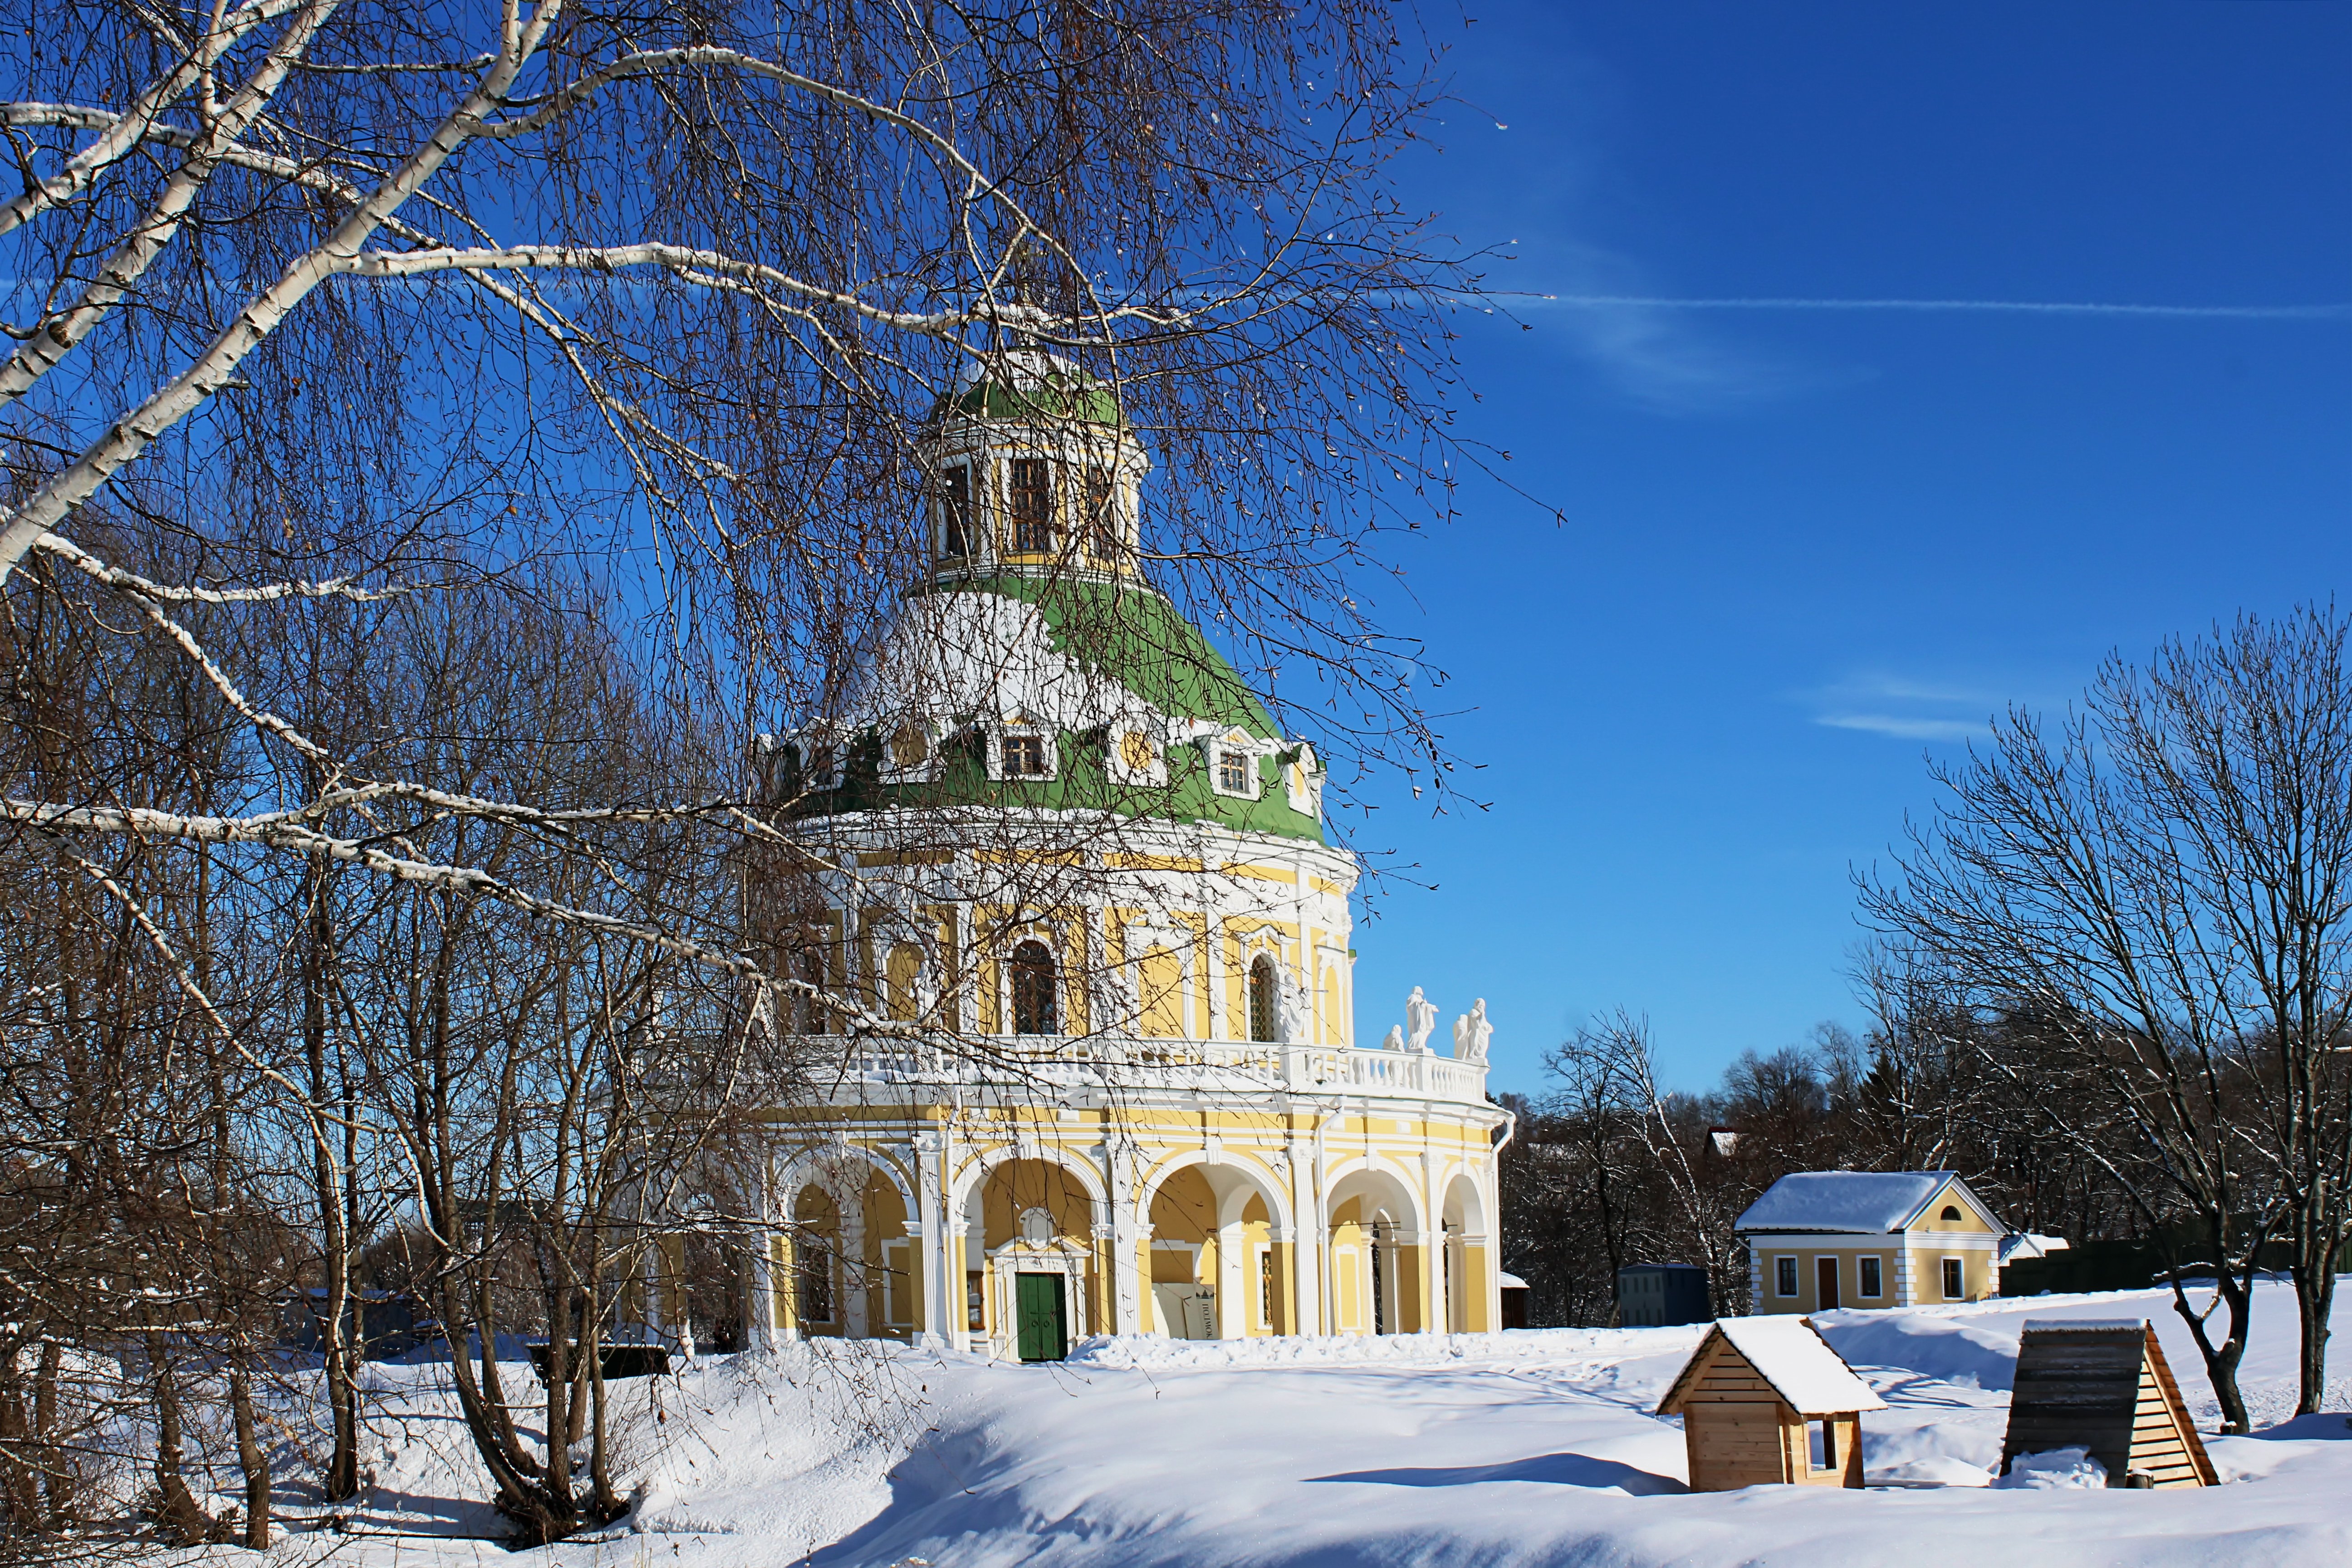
1516 1448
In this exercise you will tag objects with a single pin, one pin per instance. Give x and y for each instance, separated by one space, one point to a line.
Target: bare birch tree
337 313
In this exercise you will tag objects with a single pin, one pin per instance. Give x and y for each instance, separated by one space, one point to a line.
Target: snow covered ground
1534 1447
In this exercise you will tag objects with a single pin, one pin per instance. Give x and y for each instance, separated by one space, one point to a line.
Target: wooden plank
2189 1441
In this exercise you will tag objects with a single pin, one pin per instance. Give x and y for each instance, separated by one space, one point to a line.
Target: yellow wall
1928 1274
1808 1296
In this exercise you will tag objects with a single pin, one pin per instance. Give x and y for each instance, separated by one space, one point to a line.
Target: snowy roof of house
1862 1202
1788 1354
1510 1282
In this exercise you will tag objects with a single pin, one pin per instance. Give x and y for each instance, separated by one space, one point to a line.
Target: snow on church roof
1791 1355
1867 1203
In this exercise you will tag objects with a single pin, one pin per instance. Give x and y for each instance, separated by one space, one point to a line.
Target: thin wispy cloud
1902 729
1904 709
2342 312
1650 355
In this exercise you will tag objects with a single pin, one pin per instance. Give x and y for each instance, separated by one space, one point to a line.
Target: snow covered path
1493 1450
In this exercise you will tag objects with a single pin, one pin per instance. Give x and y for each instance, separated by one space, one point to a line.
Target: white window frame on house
1869 1279
1049 752
1951 1266
1787 1279
1232 743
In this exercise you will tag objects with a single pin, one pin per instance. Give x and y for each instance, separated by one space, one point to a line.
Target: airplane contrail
2019 307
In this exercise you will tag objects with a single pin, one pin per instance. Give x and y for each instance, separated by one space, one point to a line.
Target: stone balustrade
1237 1067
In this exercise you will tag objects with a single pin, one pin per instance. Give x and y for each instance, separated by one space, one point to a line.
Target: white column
853 1276
760 1297
1126 1236
1233 1277
1433 1241
1311 1241
930 1232
975 1261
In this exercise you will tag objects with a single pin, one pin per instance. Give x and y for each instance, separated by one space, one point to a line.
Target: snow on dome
982 655
1863 1202
1028 367
1787 1353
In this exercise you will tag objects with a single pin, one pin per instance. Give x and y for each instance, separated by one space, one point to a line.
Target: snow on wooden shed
2103 1385
1766 1401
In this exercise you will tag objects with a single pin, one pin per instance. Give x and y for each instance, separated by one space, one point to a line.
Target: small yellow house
1822 1241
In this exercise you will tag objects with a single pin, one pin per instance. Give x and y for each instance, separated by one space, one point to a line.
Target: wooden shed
1766 1401
2104 1386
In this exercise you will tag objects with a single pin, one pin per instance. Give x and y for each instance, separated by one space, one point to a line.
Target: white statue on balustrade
1394 1041
1291 1001
1471 1033
1420 1020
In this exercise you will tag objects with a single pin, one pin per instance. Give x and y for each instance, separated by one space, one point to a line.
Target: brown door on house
1826 1296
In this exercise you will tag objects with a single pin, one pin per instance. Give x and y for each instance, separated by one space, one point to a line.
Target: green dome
1117 653
1031 387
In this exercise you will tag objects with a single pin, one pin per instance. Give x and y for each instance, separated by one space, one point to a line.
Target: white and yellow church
1109 1080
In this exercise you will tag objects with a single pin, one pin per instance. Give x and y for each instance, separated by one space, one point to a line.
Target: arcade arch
1375 1253
1217 1254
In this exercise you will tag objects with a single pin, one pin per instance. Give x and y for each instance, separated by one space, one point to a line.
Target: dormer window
1033 506
955 512
1233 767
1023 751
1025 756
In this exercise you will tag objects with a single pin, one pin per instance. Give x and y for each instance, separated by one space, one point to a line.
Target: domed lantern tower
1105 1076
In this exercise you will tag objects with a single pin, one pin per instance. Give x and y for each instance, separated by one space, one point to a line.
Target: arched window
1034 1009
1264 1002
814 1020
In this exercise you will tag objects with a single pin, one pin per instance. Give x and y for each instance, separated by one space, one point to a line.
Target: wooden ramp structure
1765 1402
2104 1386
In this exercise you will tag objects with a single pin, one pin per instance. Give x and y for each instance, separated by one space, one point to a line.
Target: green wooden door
1037 1313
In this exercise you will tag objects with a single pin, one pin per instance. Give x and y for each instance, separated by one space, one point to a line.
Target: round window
909 748
1135 749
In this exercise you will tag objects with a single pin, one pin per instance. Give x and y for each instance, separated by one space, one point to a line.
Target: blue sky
1807 547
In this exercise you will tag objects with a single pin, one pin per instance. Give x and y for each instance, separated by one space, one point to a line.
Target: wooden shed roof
2104 1385
1790 1354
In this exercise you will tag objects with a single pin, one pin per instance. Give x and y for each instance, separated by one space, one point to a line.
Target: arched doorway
1377 1262
1184 1256
1029 1256
1467 1283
